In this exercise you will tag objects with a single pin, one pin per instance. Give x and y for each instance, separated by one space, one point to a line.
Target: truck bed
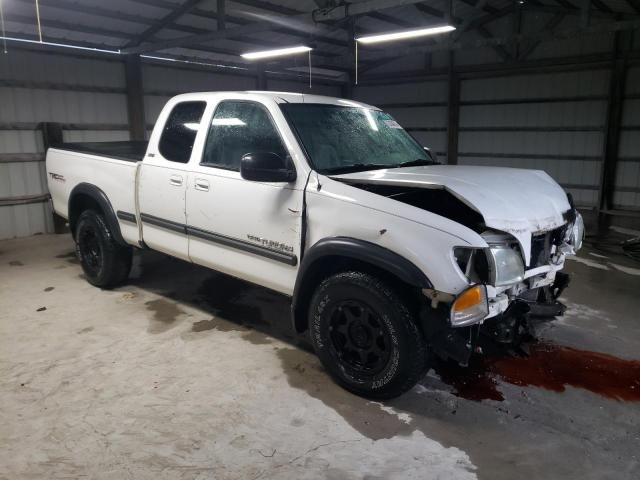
129 151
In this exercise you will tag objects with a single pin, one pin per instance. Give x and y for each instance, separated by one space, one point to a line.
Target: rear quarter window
180 130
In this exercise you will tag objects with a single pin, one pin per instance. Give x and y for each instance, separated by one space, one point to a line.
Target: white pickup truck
388 256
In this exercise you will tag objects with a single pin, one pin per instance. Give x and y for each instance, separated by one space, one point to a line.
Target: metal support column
135 97
221 14
52 137
261 78
615 103
453 114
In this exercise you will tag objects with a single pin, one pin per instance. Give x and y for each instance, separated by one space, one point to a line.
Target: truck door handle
175 180
202 185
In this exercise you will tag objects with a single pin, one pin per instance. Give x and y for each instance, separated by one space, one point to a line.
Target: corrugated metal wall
302 86
419 107
88 96
161 83
552 122
40 87
627 185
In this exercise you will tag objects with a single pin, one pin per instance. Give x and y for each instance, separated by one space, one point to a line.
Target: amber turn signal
470 307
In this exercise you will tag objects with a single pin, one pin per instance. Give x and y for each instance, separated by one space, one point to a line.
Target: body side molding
213 237
220 239
126 216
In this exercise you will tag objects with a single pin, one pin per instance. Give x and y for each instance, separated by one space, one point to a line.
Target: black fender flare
352 248
93 192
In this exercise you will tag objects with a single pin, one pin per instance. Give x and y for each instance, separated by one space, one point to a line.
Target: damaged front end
527 224
513 291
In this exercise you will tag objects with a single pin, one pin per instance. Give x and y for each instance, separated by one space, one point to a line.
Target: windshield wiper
415 163
356 167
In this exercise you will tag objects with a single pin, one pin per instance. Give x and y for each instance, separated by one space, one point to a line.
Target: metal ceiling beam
516 29
447 16
600 5
199 39
48 22
585 13
273 8
635 4
485 7
472 24
195 62
253 28
168 19
199 12
361 8
383 17
268 6
549 27
221 12
566 4
90 10
127 36
530 7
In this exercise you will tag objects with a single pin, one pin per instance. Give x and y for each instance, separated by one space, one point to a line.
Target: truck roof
279 97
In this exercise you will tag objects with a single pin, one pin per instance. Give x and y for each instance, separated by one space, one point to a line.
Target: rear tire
365 336
104 261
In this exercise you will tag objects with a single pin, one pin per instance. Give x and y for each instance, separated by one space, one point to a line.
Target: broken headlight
506 265
575 233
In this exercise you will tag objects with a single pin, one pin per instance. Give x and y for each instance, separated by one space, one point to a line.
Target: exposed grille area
541 246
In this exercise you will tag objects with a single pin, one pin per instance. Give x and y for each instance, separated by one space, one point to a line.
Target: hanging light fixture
38 17
395 36
279 52
405 34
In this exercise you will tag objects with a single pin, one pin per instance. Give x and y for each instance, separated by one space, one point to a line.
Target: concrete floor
185 373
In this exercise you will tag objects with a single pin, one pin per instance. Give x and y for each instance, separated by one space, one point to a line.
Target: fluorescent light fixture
192 126
276 53
61 45
228 122
389 37
191 62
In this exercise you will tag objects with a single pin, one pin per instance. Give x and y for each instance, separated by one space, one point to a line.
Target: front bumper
534 279
508 324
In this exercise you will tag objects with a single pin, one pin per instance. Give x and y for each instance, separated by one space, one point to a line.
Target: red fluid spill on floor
548 366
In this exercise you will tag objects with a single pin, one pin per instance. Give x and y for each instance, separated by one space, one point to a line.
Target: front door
163 178
250 230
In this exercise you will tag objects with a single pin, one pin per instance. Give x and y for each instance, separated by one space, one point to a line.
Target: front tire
104 261
365 336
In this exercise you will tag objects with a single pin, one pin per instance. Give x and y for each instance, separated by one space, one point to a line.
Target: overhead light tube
405 34
276 53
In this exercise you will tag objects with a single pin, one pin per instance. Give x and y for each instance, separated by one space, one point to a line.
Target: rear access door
163 178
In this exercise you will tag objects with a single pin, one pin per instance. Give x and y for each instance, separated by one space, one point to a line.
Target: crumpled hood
513 200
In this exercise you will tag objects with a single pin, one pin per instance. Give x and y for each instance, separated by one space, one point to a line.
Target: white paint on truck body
499 194
519 202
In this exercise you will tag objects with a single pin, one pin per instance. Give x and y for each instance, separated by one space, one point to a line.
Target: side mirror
266 167
431 155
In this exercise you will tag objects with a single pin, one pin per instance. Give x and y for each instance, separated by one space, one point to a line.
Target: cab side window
239 128
180 131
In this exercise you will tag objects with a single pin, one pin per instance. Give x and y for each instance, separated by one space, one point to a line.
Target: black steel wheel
365 336
359 337
90 251
105 263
